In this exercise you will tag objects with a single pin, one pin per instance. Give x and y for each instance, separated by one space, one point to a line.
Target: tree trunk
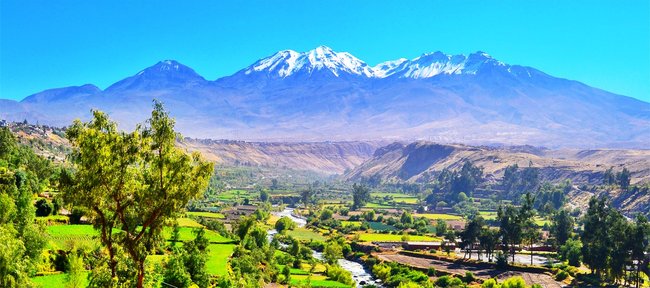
140 274
531 253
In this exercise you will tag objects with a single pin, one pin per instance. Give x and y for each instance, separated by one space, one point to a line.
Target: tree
470 235
284 224
332 252
286 272
306 196
75 276
131 182
562 227
326 214
510 228
441 227
571 252
360 196
43 207
595 246
264 195
488 239
639 240
623 178
406 218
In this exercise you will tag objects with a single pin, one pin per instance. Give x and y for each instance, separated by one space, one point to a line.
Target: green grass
305 234
316 281
218 258
437 216
346 223
370 237
377 205
187 233
488 215
378 226
53 280
187 222
207 215
406 200
394 195
79 234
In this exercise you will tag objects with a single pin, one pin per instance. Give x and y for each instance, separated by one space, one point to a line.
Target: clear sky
48 44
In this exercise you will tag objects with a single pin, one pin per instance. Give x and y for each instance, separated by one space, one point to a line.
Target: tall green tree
132 183
562 227
360 196
595 242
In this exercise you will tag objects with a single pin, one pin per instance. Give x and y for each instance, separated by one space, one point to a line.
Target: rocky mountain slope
324 95
322 157
419 162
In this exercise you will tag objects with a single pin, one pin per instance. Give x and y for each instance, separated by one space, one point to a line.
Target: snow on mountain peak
431 64
288 62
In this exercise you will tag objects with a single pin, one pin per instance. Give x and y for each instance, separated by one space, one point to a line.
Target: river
360 275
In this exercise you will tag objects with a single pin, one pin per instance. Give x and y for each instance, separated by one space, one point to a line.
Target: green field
394 195
370 237
53 281
438 216
218 258
236 195
488 215
187 222
305 234
207 215
346 223
187 234
378 226
60 235
316 281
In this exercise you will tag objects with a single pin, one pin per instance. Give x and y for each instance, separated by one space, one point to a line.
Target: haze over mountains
323 95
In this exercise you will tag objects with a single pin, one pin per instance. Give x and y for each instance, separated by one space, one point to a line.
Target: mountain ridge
331 95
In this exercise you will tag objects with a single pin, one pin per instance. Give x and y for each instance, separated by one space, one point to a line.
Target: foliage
131 182
283 224
337 273
360 196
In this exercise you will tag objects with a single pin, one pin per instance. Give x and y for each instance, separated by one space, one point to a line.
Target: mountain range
324 95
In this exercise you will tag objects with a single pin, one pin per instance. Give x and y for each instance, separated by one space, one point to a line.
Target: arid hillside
322 157
419 161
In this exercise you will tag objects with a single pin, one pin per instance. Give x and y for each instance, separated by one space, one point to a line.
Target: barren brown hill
419 161
322 157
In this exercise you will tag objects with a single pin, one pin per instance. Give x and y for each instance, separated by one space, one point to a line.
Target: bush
431 271
490 283
514 282
501 259
43 207
337 273
448 281
469 277
561 275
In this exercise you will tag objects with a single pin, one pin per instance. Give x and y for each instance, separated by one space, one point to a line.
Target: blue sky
48 44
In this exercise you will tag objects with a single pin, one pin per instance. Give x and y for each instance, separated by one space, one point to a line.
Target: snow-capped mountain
322 94
432 64
289 63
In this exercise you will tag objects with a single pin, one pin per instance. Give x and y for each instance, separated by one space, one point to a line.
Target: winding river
359 273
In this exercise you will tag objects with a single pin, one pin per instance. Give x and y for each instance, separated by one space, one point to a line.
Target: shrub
490 283
469 277
514 282
561 275
448 281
